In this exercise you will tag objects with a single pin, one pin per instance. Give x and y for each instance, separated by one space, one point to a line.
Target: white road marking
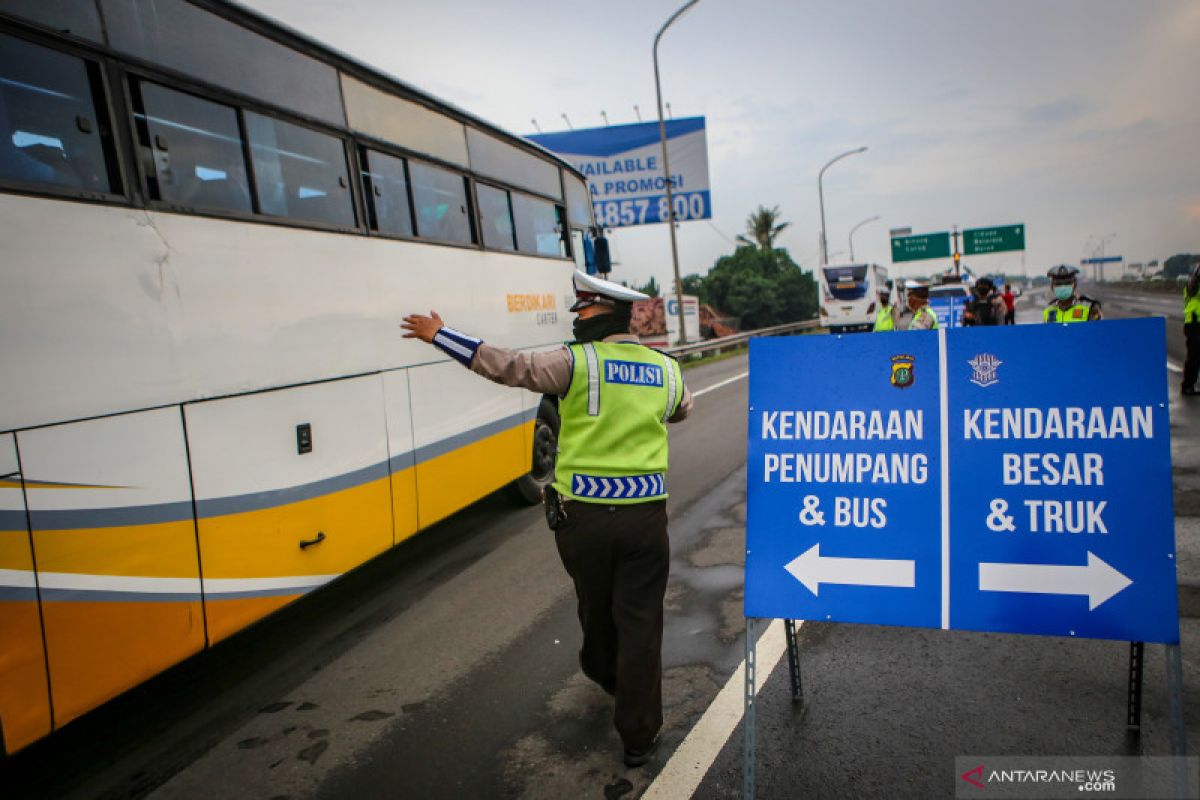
1173 367
690 762
725 382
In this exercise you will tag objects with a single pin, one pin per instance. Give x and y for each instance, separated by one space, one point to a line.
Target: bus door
110 507
24 691
292 491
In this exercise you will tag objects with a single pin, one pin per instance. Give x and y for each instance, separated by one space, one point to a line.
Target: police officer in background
1068 305
608 502
1191 333
986 306
885 317
923 317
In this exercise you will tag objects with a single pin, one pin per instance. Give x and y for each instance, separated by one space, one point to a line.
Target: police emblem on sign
902 371
983 368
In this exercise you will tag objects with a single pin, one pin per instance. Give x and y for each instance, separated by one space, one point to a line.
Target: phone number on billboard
646 210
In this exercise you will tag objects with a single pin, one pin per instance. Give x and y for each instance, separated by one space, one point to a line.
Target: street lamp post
856 227
662 134
821 198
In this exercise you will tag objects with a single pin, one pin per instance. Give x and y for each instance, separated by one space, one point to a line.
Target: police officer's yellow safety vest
612 447
884 321
925 309
1191 306
1079 312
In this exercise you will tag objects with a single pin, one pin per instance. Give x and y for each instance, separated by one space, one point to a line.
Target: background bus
212 228
849 295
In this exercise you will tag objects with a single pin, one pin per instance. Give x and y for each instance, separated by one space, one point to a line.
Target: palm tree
762 227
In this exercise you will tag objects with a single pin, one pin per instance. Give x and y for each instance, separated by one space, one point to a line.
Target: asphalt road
447 668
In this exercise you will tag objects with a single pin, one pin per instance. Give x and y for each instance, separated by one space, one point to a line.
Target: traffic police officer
924 318
1067 305
885 317
616 397
1191 332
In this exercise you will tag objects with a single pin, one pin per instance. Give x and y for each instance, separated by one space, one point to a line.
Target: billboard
623 165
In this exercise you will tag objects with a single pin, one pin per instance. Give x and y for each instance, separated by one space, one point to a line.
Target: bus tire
527 489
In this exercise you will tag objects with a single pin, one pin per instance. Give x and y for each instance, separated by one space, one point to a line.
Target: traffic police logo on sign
632 373
902 371
983 367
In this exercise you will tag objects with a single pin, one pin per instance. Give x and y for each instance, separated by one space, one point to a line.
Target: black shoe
636 758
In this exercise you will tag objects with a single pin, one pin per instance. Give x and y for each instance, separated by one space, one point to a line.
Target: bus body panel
118 309
114 540
470 437
24 691
273 522
401 454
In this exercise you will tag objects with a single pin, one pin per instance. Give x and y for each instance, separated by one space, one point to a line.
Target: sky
1078 118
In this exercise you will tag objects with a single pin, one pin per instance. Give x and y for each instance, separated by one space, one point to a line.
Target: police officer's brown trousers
618 556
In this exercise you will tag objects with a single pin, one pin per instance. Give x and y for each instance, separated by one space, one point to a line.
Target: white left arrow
1097 581
812 569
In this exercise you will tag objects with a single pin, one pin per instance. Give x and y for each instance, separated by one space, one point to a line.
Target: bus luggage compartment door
291 490
24 693
115 544
471 437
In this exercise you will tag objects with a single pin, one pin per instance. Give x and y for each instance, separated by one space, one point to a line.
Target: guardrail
738 339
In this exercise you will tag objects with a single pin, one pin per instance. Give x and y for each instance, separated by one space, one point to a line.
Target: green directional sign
915 248
981 241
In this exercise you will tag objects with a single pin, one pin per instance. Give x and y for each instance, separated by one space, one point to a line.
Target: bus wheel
528 488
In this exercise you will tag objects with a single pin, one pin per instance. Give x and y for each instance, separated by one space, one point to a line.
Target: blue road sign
1061 505
949 310
1051 512
844 479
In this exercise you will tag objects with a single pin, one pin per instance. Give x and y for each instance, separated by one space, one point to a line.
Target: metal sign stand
1134 713
748 712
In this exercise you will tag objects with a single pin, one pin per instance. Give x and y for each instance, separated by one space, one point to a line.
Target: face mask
593 329
1064 292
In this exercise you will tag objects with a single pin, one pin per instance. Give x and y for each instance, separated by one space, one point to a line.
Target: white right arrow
1097 581
812 569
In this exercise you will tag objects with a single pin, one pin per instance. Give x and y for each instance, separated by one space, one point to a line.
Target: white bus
849 295
211 227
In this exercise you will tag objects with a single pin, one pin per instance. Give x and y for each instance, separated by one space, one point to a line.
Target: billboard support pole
662 134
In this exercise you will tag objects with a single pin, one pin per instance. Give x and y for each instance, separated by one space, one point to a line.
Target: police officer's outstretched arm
547 373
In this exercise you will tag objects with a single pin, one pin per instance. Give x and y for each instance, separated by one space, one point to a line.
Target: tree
761 288
651 288
763 228
1179 265
694 285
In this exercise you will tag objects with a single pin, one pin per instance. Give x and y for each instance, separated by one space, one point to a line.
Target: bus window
539 228
847 283
299 173
495 217
440 197
198 161
50 129
385 185
579 201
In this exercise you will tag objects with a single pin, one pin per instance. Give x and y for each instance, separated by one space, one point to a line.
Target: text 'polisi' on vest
631 372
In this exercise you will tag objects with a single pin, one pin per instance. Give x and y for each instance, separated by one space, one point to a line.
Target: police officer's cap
917 288
1062 273
590 290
